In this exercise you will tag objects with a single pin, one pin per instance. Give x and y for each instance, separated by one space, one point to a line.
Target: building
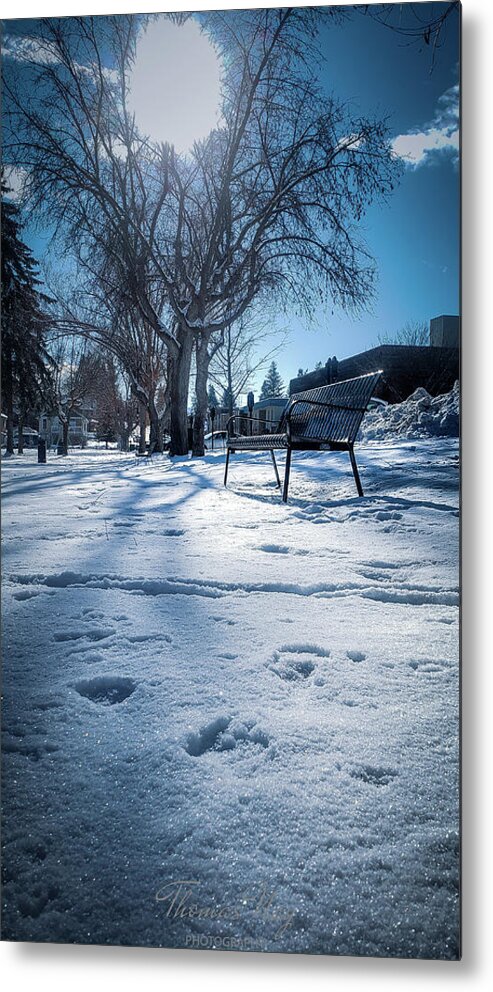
51 429
266 415
445 331
220 420
404 367
30 437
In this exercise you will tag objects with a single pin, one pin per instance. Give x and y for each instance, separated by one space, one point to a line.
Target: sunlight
175 83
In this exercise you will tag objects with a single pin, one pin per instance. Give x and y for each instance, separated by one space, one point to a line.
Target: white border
57 967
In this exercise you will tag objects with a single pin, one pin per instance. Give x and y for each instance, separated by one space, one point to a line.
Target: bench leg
275 468
226 467
286 476
355 472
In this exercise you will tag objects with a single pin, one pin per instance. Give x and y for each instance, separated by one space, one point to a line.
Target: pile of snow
421 415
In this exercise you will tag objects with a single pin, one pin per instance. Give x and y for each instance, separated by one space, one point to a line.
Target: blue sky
414 238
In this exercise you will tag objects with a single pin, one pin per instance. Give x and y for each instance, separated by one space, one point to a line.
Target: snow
228 721
421 415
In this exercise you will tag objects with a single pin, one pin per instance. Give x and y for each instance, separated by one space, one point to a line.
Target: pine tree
272 384
25 361
212 396
228 400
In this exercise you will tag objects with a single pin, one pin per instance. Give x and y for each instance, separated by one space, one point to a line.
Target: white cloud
440 136
28 49
15 178
40 52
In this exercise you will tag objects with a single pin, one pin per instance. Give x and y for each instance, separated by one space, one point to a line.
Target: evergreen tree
25 361
105 397
213 400
228 400
272 384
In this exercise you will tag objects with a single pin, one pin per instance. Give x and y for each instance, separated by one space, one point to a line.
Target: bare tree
100 183
414 332
76 372
116 411
416 23
271 202
268 203
93 307
237 360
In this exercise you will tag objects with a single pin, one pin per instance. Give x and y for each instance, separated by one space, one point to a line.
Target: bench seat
260 442
325 418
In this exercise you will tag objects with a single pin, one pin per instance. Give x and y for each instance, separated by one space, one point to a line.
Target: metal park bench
323 419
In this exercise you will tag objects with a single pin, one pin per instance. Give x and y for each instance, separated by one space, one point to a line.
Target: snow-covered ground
206 686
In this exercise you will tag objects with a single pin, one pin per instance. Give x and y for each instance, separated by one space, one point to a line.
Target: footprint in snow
25 594
225 734
92 634
106 689
31 904
282 549
355 656
296 662
429 665
31 749
374 775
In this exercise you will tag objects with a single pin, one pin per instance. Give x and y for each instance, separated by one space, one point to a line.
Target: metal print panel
230 429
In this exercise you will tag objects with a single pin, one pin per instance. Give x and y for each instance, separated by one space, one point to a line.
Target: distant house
266 415
30 437
51 429
221 418
264 411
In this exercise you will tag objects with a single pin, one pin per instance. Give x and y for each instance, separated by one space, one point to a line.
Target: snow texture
206 686
421 415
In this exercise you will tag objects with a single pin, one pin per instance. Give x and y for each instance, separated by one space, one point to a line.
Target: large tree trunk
156 438
202 363
142 429
231 401
9 447
180 380
230 378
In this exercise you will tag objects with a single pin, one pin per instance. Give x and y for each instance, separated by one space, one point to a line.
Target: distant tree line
42 370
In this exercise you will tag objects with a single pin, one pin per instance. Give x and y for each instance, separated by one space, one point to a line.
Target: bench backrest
339 419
